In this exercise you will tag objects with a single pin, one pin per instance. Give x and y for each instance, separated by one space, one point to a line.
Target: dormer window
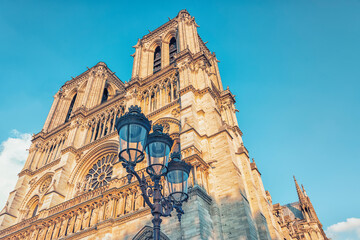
70 108
172 49
157 59
105 95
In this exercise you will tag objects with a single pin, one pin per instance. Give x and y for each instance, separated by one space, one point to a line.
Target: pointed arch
105 95
68 115
157 59
32 207
172 49
91 157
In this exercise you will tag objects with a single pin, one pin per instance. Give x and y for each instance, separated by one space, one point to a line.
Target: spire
303 189
299 192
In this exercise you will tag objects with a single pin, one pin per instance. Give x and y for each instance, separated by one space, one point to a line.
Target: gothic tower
299 220
73 187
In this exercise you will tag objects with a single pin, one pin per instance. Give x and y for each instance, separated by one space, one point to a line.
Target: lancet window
172 49
103 124
70 108
160 95
105 95
31 209
157 59
46 153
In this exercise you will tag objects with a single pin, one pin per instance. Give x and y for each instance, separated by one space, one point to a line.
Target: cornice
162 74
81 77
196 160
105 106
52 132
165 27
205 135
227 94
98 141
45 167
173 103
197 190
199 92
69 149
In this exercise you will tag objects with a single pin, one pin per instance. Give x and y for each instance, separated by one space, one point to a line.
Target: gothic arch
88 160
146 233
111 88
32 207
35 191
172 123
156 43
169 35
116 84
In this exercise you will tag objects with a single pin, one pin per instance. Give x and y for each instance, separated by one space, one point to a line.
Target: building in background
72 187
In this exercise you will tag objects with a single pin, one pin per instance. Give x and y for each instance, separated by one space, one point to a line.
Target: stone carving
94 215
86 219
108 209
101 172
45 185
78 222
138 200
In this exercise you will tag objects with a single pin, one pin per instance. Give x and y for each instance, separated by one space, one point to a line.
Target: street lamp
134 138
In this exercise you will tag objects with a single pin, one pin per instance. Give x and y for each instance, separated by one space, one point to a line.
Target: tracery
160 94
100 173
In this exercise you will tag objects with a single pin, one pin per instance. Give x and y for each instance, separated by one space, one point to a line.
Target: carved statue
42 233
128 203
108 209
63 227
56 229
50 231
71 224
26 215
86 218
79 188
82 186
138 201
78 222
120 205
34 234
101 212
94 216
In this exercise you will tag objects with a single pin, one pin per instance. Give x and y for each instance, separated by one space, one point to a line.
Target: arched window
35 210
105 95
172 49
157 59
101 172
70 108
32 207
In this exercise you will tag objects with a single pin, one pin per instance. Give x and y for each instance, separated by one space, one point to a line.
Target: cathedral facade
73 187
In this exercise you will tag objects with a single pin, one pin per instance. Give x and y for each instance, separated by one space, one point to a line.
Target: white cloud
13 154
348 230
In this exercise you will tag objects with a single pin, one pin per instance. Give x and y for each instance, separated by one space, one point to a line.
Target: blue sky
293 66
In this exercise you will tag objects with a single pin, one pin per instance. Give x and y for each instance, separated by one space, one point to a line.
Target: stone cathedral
73 187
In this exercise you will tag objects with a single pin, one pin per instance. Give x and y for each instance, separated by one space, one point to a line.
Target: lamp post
134 138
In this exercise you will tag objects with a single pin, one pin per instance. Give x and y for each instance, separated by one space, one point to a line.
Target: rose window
45 185
100 174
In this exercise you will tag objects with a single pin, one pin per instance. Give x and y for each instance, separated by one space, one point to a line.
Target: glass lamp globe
177 178
157 151
133 128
